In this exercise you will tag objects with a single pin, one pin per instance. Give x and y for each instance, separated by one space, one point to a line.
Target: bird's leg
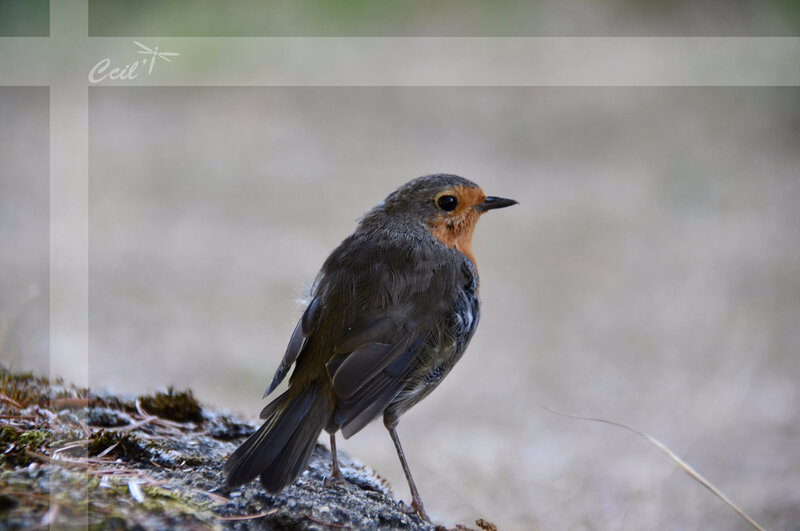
416 502
337 478
335 472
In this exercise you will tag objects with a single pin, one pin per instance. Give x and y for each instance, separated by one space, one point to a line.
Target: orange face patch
454 229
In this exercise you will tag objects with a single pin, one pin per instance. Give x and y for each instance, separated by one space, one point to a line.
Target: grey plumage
392 310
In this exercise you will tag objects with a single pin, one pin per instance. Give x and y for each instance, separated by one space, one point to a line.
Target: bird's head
448 205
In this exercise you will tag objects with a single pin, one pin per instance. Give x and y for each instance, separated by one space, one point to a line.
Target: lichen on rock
69 456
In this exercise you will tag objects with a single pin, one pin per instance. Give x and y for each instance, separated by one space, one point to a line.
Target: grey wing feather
362 332
370 400
309 318
368 346
297 342
362 364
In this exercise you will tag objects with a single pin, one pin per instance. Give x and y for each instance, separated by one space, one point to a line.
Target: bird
389 314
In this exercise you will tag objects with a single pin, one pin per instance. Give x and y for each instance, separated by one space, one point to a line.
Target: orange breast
458 235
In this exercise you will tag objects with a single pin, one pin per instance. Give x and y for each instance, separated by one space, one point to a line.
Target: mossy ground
180 406
71 457
68 457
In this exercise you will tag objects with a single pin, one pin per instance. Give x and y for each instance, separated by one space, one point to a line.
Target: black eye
448 203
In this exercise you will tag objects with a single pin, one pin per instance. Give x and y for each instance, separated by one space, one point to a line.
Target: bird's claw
336 479
414 508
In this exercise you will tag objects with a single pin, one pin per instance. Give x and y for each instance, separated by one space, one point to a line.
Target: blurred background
650 274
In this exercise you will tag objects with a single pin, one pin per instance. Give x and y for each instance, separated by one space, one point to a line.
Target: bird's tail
280 450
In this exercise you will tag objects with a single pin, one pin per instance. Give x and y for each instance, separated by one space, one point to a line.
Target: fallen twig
69 402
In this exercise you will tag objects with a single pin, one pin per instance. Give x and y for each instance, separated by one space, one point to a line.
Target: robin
390 313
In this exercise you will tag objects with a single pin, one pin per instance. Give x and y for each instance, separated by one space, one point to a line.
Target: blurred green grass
443 18
24 18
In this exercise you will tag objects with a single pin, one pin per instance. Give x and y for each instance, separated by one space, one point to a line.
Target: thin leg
335 472
336 475
416 502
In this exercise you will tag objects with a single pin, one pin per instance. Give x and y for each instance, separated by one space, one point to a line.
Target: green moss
8 435
179 406
159 499
23 388
128 446
33 438
116 502
15 446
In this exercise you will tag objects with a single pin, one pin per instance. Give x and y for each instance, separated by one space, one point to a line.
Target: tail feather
293 459
281 448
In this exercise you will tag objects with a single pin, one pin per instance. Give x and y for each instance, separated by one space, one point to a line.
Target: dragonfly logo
104 70
154 54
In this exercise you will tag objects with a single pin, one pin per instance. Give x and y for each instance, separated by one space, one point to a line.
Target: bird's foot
415 508
334 479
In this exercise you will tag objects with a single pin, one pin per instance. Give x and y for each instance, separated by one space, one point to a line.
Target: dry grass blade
680 462
133 426
11 401
214 497
70 446
150 480
155 419
248 516
84 427
66 463
107 450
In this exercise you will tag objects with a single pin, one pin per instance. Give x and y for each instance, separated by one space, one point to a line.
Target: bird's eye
448 203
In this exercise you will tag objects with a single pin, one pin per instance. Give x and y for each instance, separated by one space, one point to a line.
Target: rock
71 457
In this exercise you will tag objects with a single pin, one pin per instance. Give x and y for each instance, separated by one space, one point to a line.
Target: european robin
390 313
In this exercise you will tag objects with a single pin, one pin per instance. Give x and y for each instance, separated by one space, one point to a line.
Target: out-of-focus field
649 275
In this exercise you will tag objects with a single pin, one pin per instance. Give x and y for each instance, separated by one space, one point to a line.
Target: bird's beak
491 203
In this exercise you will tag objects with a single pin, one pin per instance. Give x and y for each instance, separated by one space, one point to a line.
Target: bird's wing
371 398
376 353
363 351
297 342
